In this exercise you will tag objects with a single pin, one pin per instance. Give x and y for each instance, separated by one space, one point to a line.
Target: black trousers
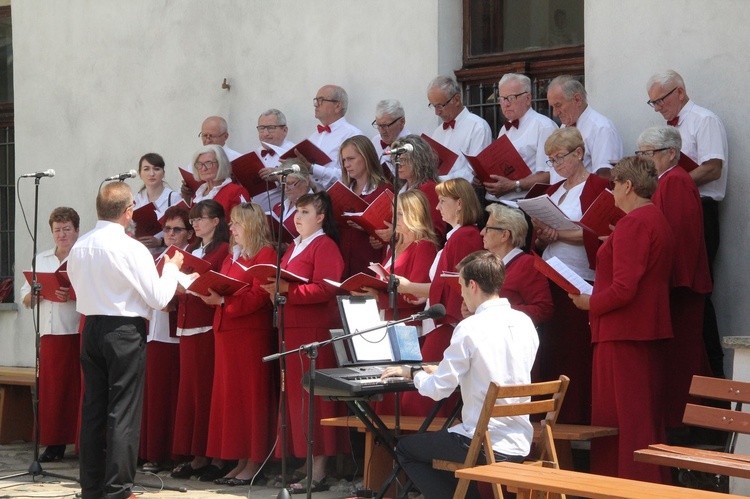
711 337
416 452
113 360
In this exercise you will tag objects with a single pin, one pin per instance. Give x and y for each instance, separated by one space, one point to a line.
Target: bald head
114 203
214 130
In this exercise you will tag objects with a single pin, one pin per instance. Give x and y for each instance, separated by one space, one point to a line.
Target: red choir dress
678 198
629 311
441 229
527 289
160 388
461 241
310 312
354 244
243 402
413 263
196 368
290 230
228 196
565 343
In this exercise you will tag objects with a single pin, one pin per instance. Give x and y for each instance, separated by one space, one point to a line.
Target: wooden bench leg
16 414
564 454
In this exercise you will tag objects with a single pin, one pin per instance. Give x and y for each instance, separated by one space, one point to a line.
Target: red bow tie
511 124
673 121
266 152
383 145
449 124
322 129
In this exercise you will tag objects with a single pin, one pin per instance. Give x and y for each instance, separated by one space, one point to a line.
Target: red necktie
266 152
573 125
322 129
673 121
511 124
383 145
449 124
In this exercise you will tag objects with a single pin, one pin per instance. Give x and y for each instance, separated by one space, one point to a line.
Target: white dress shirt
114 274
300 244
270 198
496 344
704 138
386 158
329 143
231 153
603 143
54 317
533 131
470 135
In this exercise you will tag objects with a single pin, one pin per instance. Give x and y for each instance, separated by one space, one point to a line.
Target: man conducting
117 287
495 344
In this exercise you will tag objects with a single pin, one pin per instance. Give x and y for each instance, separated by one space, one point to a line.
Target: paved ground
16 458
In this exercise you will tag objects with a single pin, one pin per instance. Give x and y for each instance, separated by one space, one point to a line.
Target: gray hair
391 107
665 79
446 84
224 170
280 118
524 80
340 95
661 136
511 219
223 126
569 86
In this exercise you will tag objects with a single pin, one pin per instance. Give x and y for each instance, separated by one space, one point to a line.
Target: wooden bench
16 412
558 481
377 464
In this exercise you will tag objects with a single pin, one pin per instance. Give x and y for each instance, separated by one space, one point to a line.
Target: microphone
286 171
401 150
434 312
122 176
46 173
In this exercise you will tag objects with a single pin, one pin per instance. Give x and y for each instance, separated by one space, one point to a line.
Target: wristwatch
414 369
518 186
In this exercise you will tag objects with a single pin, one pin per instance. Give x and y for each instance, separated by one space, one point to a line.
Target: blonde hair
568 138
416 217
460 188
257 232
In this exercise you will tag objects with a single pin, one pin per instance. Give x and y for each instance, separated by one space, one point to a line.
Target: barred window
7 154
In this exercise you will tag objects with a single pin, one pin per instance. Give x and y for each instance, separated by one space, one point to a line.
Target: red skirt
329 440
59 388
194 396
159 401
243 405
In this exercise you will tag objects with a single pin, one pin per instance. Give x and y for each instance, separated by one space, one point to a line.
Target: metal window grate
7 204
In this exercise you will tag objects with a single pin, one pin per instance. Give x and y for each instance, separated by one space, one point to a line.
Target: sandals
297 476
151 467
301 486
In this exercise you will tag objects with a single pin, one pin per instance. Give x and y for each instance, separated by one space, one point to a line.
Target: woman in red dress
212 167
362 173
309 315
242 416
163 361
460 208
565 344
195 328
678 198
630 321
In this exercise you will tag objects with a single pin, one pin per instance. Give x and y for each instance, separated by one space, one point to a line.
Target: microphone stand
311 350
278 321
35 468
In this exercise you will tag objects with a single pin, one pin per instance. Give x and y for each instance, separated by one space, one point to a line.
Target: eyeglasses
510 98
206 166
660 100
290 185
650 153
557 160
440 107
270 128
176 230
194 221
208 136
384 127
317 101
492 227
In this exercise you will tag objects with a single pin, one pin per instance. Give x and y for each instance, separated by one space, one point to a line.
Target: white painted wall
706 42
98 84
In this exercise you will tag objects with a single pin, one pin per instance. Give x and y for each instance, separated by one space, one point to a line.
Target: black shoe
186 471
52 453
239 482
211 473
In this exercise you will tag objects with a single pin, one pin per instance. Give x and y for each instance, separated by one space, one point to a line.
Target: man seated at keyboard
495 344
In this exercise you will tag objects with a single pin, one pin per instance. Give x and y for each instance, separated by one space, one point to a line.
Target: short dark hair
213 209
64 214
485 268
153 158
641 172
